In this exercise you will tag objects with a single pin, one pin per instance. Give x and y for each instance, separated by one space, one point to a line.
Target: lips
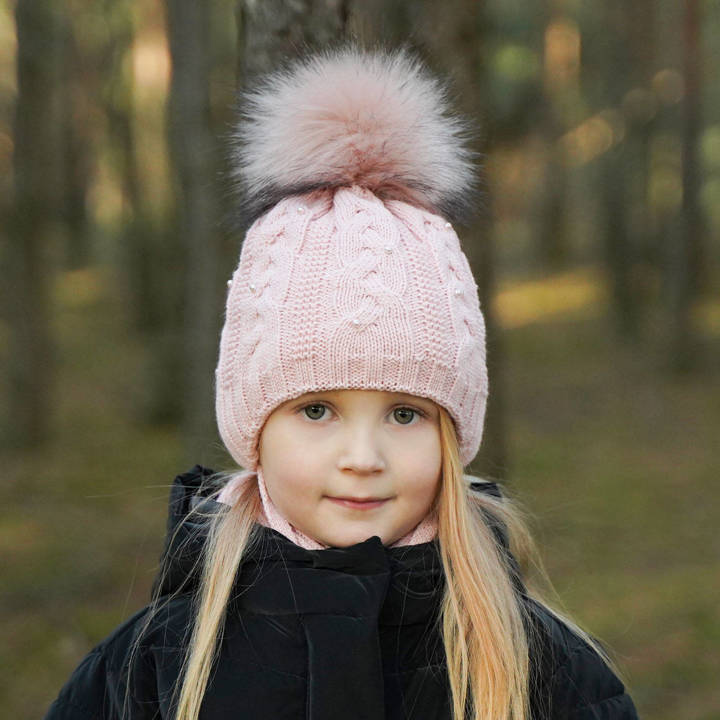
359 503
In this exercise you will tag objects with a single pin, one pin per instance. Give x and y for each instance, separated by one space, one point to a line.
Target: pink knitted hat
351 274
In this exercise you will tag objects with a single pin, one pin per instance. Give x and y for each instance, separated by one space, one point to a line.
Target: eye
404 415
314 411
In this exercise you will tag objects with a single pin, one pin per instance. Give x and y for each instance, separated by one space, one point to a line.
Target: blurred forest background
596 249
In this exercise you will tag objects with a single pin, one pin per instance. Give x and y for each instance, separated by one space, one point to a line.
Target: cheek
283 451
422 465
421 472
423 489
423 453
292 482
290 486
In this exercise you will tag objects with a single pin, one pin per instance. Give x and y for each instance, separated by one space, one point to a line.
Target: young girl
351 571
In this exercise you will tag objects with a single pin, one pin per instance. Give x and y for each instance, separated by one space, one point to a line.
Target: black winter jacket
333 634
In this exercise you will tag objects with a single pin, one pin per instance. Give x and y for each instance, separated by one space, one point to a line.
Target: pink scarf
270 516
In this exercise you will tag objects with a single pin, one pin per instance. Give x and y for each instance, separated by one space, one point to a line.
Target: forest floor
616 460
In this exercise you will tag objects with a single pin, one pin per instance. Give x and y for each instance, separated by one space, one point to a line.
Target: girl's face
353 444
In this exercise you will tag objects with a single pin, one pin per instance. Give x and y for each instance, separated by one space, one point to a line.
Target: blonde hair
483 621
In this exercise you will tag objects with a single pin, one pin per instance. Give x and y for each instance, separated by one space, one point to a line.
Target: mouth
359 503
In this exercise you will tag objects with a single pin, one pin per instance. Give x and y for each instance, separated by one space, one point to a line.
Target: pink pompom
353 117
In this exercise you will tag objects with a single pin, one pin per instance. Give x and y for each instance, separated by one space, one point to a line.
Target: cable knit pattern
425 531
339 289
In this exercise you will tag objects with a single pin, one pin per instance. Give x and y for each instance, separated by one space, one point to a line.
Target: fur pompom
348 116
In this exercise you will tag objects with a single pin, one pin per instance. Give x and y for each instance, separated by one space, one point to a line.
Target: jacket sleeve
585 688
96 690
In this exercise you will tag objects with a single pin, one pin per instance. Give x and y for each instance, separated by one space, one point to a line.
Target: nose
361 452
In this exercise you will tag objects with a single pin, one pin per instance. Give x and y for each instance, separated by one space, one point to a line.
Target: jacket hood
181 559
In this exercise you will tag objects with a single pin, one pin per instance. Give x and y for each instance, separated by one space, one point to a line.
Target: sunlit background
596 248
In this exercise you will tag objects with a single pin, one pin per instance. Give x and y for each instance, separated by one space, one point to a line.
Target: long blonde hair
486 637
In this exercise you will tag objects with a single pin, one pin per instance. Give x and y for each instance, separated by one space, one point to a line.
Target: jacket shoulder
96 690
571 677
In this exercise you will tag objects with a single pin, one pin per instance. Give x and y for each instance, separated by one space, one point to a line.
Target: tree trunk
388 22
28 257
144 287
195 160
74 160
619 244
688 254
552 238
273 31
641 113
694 226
